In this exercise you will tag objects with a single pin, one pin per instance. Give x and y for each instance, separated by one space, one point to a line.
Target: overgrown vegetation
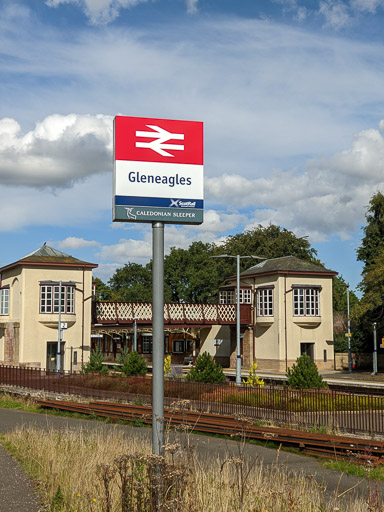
206 370
304 374
107 471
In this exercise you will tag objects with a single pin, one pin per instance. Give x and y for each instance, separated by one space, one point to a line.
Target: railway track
362 451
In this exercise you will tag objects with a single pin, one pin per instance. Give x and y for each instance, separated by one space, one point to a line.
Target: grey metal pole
374 350
158 338
135 334
238 350
59 333
349 334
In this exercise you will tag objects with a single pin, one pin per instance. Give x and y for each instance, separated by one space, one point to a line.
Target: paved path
16 491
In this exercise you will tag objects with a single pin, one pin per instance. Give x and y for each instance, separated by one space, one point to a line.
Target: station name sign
158 170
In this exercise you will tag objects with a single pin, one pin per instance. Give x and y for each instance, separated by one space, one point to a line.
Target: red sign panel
142 139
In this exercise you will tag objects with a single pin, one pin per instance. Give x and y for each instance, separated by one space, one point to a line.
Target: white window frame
245 296
4 301
265 302
226 296
229 296
50 298
306 301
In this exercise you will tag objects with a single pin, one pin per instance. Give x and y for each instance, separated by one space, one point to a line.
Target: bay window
306 301
265 301
4 301
50 299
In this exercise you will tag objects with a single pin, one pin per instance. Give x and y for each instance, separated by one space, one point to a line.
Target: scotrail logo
179 203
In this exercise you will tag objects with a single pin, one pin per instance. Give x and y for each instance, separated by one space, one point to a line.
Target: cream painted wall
279 338
208 337
36 329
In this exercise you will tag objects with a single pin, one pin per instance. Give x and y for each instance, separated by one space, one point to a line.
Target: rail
345 412
363 451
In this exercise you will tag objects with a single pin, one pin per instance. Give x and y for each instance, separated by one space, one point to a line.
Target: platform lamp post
238 348
135 334
374 349
349 334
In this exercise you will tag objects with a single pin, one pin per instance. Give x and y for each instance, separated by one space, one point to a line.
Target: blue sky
291 94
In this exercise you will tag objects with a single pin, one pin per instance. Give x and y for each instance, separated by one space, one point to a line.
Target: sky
291 94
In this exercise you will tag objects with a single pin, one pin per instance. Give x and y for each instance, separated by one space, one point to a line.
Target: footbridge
180 315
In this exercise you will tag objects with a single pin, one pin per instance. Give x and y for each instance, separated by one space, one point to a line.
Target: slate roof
47 255
287 264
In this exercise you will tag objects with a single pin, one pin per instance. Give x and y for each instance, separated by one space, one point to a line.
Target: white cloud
367 6
72 242
58 152
336 13
78 206
127 250
363 161
98 11
327 198
192 6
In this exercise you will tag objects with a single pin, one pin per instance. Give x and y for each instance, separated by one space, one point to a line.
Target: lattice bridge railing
186 314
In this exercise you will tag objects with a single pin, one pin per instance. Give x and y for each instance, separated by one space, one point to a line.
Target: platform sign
158 171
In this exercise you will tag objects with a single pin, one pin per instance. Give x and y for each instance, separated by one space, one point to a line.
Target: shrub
206 370
95 363
167 364
304 374
132 363
253 380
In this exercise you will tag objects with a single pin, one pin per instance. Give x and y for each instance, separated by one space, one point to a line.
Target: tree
191 274
132 363
132 283
304 374
270 242
372 244
206 370
371 253
95 363
102 291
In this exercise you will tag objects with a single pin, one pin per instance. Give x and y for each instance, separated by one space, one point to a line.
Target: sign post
158 178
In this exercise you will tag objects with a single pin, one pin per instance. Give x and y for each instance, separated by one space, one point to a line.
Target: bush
167 365
304 374
132 363
206 370
95 363
253 380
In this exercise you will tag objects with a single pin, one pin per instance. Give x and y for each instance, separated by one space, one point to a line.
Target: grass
109 472
359 470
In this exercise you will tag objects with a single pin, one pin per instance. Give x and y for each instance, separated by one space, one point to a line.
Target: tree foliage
95 363
132 363
132 283
102 291
372 243
192 275
206 370
304 374
371 253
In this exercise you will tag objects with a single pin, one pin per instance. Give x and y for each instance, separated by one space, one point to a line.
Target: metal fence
319 408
